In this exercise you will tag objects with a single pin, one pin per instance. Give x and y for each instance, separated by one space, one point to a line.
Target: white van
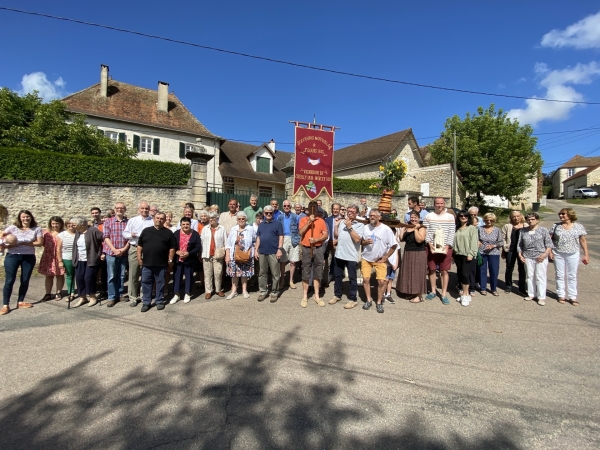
585 193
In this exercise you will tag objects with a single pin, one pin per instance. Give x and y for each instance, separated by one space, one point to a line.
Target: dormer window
263 165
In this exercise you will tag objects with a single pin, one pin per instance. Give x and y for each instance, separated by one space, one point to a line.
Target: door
570 190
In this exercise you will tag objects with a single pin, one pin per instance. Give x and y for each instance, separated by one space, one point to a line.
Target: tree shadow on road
190 398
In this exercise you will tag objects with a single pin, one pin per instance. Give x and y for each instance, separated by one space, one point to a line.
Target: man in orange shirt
313 233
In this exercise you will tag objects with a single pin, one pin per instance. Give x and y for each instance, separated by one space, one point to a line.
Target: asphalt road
500 374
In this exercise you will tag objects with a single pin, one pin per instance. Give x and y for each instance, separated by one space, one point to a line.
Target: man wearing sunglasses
268 249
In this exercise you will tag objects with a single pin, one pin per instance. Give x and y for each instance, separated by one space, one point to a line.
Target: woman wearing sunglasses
535 246
568 236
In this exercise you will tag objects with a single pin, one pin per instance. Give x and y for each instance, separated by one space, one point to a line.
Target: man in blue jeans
348 234
116 248
155 252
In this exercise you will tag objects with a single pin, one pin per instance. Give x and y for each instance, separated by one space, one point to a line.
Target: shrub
351 185
26 164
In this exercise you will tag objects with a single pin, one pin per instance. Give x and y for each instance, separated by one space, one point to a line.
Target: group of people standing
258 243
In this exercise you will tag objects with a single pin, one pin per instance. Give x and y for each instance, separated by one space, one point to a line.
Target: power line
290 63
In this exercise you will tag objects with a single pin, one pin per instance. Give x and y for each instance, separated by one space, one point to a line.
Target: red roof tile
135 104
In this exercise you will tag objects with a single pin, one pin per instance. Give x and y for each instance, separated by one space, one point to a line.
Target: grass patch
584 201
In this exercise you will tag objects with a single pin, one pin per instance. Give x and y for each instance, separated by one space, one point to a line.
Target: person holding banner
313 233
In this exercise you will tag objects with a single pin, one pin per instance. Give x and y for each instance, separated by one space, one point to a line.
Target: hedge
27 164
351 185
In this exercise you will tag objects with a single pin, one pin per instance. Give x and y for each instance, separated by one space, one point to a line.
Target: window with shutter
181 150
263 165
156 147
146 146
136 142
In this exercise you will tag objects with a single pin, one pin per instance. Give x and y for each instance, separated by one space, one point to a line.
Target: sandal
574 302
495 294
5 310
416 300
482 293
58 296
561 301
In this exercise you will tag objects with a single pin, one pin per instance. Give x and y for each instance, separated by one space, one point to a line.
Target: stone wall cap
72 183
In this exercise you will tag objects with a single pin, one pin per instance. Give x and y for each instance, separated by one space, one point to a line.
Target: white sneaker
541 303
246 295
233 294
466 300
359 281
174 300
187 298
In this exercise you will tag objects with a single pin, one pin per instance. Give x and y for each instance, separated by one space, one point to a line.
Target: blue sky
533 48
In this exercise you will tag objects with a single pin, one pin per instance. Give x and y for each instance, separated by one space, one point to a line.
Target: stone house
155 122
576 164
257 169
589 177
362 161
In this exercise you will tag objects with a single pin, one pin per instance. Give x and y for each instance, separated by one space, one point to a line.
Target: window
228 185
112 135
146 145
184 148
265 191
263 165
570 172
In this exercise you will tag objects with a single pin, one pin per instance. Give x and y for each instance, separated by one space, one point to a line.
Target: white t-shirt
67 244
81 248
383 239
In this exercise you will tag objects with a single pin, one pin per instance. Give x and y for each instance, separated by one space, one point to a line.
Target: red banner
313 162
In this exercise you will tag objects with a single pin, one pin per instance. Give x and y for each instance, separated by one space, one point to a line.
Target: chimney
103 80
163 97
271 145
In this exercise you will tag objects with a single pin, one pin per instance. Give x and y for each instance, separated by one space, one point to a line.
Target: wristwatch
170 260
280 248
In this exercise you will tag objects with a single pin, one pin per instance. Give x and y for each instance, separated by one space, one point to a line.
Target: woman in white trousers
535 246
567 237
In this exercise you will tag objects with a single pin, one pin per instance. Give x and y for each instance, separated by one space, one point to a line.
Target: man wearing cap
313 233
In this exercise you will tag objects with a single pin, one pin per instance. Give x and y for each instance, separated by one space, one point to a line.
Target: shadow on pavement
188 399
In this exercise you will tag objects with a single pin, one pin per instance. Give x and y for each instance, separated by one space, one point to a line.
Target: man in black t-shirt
155 252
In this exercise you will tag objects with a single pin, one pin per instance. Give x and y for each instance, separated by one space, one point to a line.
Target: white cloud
48 90
581 35
556 84
522 80
501 86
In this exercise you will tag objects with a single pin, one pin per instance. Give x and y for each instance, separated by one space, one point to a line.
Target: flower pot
385 204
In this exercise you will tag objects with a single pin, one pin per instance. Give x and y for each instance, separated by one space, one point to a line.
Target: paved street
500 374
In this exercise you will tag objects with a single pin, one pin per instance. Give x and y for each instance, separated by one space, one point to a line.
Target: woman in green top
466 243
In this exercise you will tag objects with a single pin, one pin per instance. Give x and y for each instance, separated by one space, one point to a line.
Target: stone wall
46 199
439 181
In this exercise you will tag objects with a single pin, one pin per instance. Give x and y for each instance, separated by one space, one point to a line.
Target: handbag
479 259
242 257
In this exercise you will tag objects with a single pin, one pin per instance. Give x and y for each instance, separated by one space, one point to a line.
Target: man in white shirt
348 234
228 218
132 232
379 242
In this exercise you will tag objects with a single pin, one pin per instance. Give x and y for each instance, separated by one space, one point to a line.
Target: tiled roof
582 172
235 163
368 152
581 161
135 104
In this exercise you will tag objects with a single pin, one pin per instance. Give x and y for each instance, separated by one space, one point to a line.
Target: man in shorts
313 232
379 243
439 219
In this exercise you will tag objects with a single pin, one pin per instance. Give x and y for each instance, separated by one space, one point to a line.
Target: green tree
28 122
495 155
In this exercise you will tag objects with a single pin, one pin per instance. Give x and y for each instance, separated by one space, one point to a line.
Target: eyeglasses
343 210
269 212
287 206
562 214
241 218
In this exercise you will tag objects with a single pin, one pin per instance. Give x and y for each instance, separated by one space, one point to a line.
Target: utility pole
454 180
